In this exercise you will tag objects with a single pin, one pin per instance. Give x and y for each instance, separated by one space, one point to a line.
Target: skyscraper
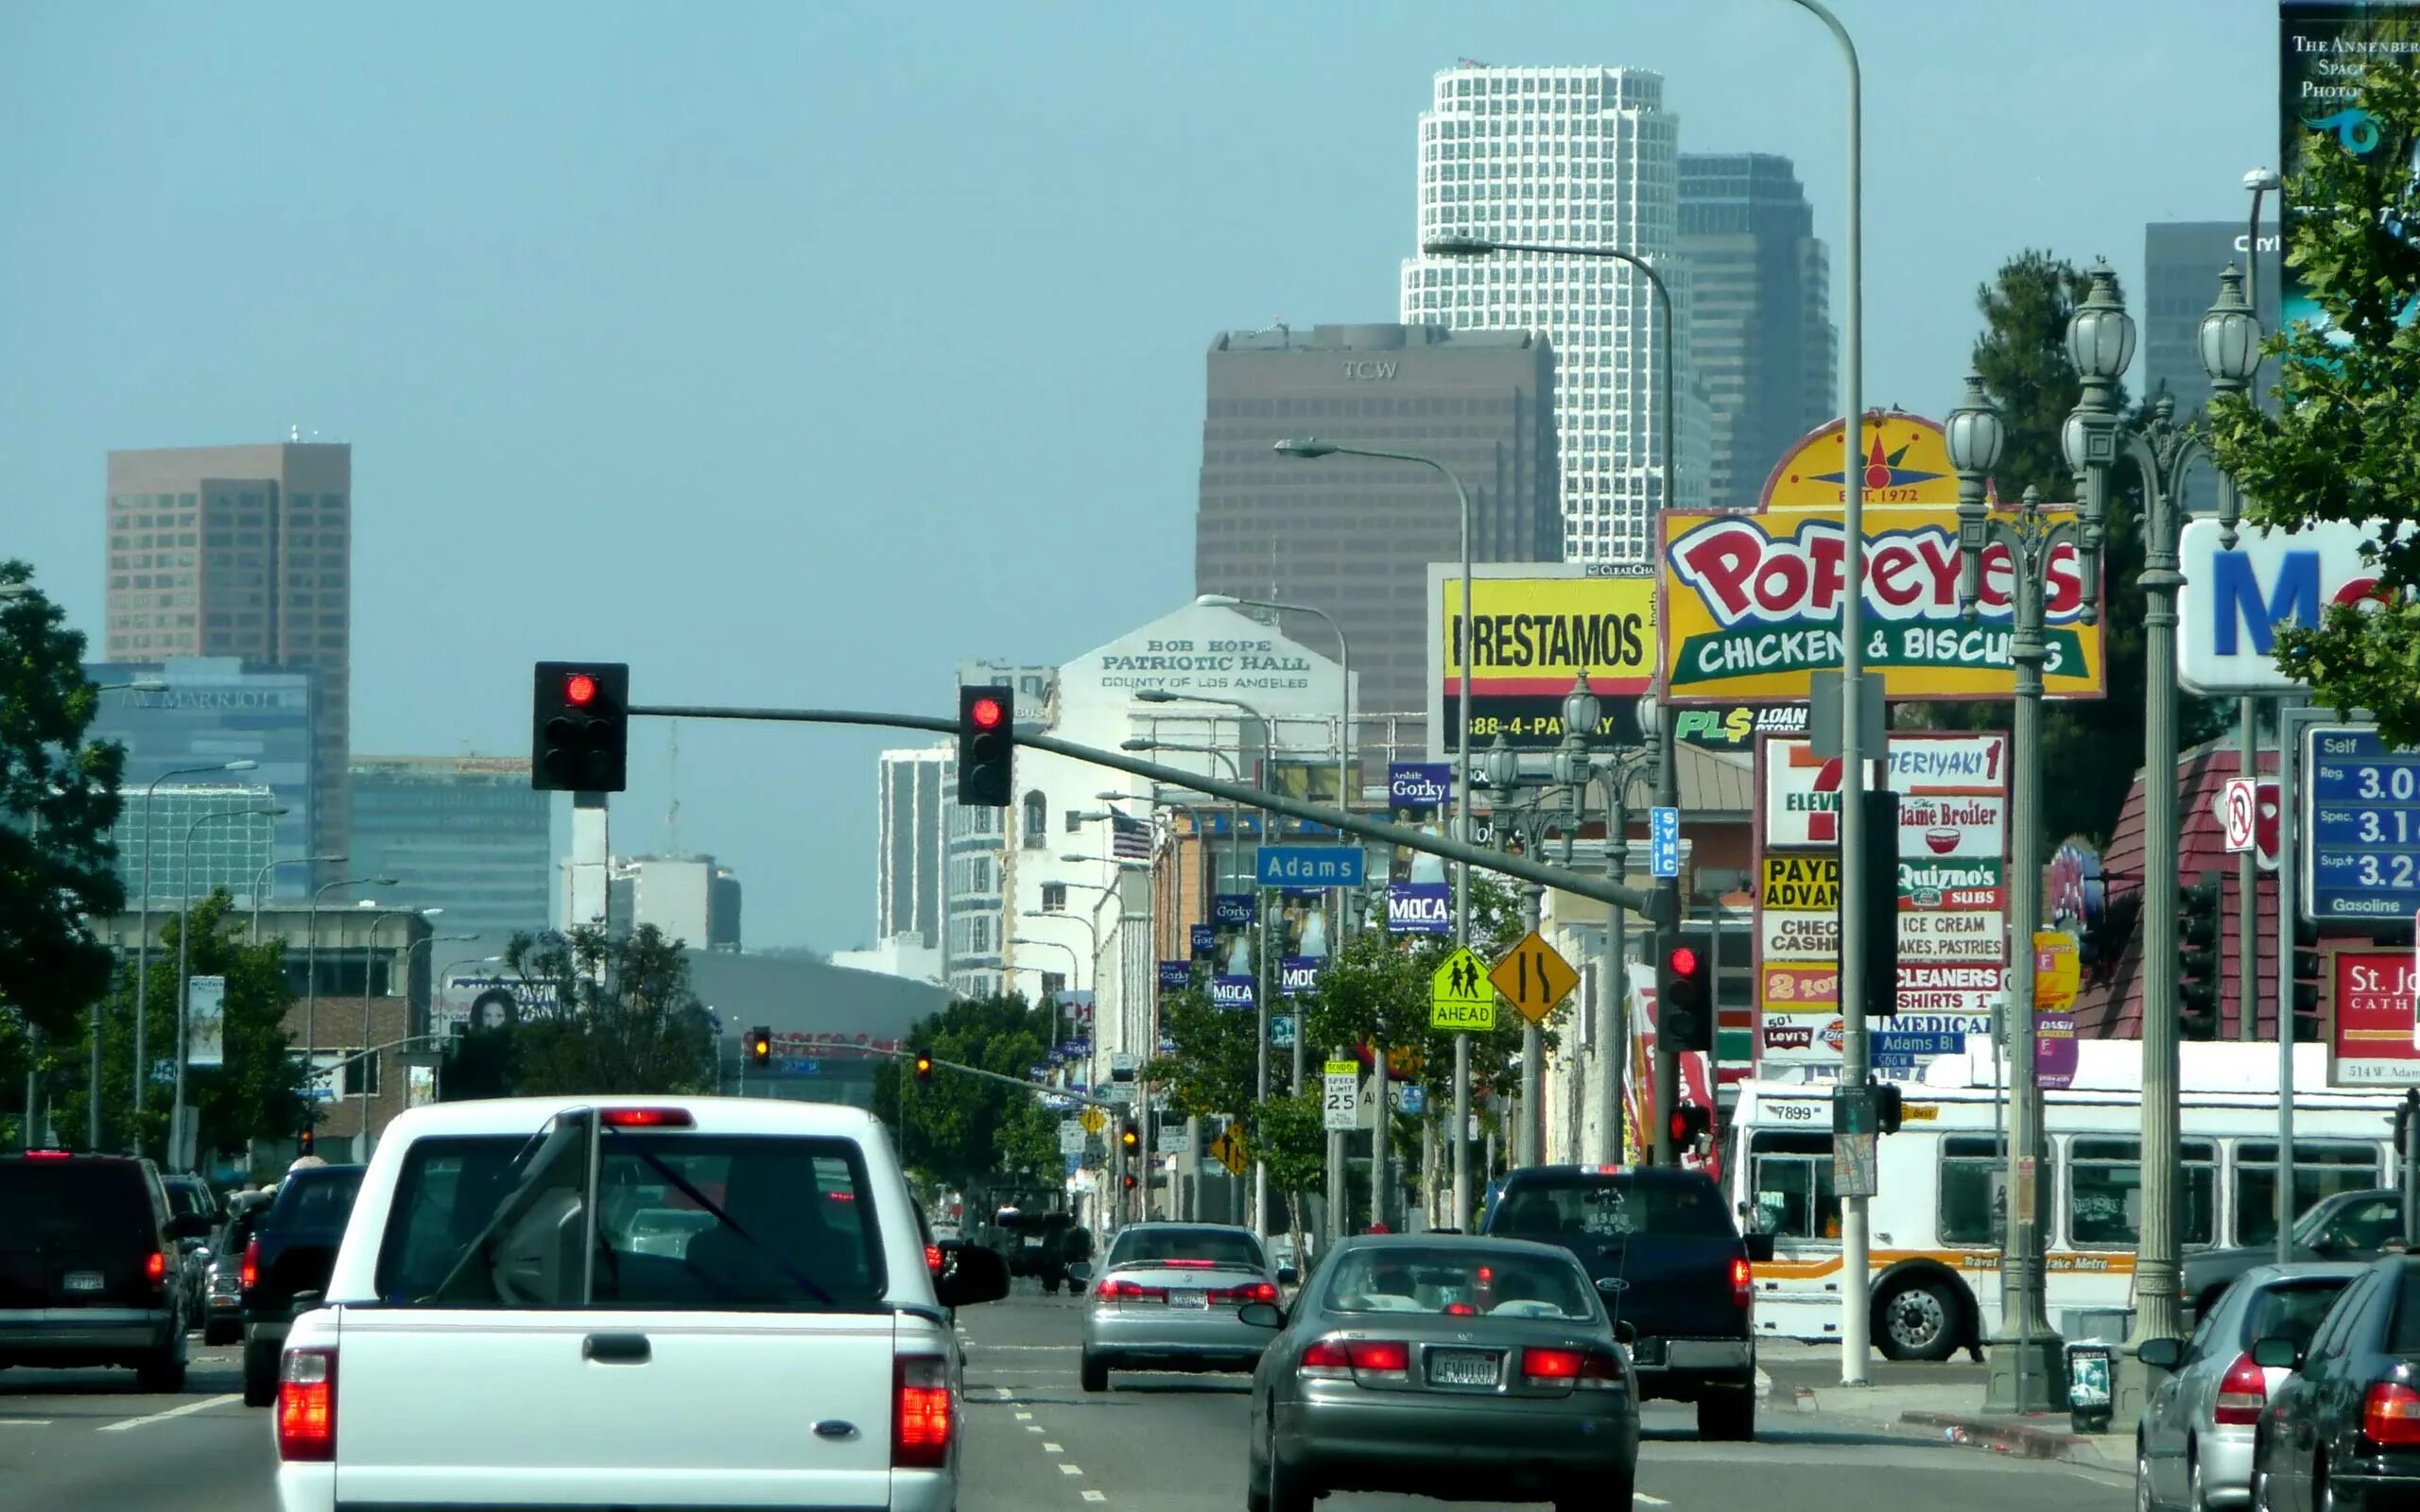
2181 263
464 833
243 551
1761 338
1584 157
909 848
1355 539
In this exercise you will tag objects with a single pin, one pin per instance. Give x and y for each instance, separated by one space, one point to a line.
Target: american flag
1129 839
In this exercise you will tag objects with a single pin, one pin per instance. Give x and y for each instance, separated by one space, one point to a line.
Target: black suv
89 1266
291 1251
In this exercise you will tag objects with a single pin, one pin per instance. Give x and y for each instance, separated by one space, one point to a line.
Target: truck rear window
1604 1207
684 1221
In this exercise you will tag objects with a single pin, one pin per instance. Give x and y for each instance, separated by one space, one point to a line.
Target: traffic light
1685 1010
1878 903
1130 1138
2197 967
1691 1124
760 1047
1886 1109
2306 981
308 1140
923 1067
1130 1182
580 727
985 717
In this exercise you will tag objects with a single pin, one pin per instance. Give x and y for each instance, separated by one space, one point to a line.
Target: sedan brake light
2391 1415
48 1155
306 1405
2243 1393
920 1413
1249 1292
1119 1291
1571 1370
1743 1283
1190 1264
1357 1360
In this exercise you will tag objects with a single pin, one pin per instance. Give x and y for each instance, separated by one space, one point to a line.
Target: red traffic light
580 690
986 714
1680 1125
1685 961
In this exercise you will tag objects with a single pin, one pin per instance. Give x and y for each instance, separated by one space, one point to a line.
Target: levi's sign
1752 609
2234 602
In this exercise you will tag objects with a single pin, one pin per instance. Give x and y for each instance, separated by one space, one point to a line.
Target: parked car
1459 1368
188 1195
2350 1225
795 1353
87 1271
1165 1298
1675 1274
286 1264
2342 1432
222 1291
2193 1444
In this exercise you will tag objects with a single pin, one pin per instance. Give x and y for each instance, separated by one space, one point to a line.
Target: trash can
2090 1374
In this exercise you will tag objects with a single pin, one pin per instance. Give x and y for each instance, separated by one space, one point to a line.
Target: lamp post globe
1502 764
1581 709
2230 336
1974 431
2100 335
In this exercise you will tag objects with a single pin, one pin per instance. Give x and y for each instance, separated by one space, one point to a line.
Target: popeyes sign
1751 605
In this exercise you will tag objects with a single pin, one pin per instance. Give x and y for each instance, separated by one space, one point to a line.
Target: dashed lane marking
1065 1468
1095 1495
1033 1427
203 1405
24 1422
1049 1448
1645 1499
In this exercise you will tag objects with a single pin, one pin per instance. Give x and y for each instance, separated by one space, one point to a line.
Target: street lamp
1073 961
185 970
2101 340
311 976
1523 815
260 882
1140 744
142 947
1610 1035
453 966
453 939
1313 447
2026 1358
370 949
1345 669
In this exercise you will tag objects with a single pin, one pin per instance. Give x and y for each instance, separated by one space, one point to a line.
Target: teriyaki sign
2235 601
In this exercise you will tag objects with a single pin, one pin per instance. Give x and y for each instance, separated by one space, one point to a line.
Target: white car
510 1321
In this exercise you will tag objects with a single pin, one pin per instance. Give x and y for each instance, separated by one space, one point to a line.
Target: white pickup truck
631 1302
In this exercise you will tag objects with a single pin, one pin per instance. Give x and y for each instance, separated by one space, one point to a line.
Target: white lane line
1095 1495
1645 1499
1024 1417
203 1405
1049 1448
1065 1468
24 1422
1033 1427
1029 1349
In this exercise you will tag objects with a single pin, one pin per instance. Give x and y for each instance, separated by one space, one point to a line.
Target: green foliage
257 1093
2344 445
962 1129
2094 745
639 1029
57 799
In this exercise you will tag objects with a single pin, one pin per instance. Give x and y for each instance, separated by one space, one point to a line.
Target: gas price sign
2360 831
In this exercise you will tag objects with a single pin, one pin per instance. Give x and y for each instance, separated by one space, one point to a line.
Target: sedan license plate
1463 1367
1194 1299
85 1281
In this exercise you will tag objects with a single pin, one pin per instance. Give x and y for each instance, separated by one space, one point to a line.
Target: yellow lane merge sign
1459 996
1534 978
1229 1150
1095 1119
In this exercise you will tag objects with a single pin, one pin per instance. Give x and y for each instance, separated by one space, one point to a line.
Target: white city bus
1936 1222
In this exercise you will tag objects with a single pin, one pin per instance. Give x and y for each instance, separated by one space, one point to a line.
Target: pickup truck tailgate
614 1408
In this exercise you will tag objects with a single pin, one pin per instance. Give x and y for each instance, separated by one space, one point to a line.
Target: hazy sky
793 352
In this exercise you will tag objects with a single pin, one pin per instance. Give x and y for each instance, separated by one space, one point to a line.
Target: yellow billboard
1536 626
1907 463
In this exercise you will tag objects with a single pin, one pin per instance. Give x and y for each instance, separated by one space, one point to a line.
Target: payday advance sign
1750 604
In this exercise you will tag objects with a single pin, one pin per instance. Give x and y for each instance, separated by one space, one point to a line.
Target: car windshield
1225 1248
683 1221
1603 1207
1463 1280
2292 1310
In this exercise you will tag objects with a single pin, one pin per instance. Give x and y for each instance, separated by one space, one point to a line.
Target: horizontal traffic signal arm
1656 904
939 1064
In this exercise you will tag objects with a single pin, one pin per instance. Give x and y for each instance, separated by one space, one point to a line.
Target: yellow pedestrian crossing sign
1229 1150
1459 996
1095 1119
1534 977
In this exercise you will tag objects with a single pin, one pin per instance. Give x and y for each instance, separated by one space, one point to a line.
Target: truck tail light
306 1405
2391 1415
920 1413
1743 1283
250 1275
2243 1393
155 1266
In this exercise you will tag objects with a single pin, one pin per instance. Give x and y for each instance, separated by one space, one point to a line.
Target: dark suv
89 1266
291 1251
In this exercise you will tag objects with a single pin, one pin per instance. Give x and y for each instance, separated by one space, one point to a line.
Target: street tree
2344 444
962 1130
624 1017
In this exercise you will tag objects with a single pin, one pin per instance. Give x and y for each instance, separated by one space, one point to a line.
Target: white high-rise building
911 852
1572 157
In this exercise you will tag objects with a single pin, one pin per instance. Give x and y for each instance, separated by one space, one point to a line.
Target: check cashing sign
1751 610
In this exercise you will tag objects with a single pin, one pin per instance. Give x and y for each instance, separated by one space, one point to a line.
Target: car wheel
1288 1490
2145 1499
1613 1492
1095 1373
260 1375
2197 1491
162 1373
1728 1413
1918 1321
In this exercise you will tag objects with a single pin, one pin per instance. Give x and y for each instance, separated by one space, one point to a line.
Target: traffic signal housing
2306 965
923 1067
1130 1138
2198 909
1692 1126
1886 1108
1878 901
1684 1011
580 727
986 716
760 1046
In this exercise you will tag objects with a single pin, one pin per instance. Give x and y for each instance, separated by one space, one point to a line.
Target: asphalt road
1036 1443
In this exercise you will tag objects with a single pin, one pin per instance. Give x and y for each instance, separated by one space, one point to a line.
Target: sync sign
2235 601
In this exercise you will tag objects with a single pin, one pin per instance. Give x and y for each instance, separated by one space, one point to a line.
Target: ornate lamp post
1609 1036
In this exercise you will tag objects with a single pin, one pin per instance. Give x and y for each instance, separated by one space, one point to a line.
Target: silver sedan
2194 1447
1166 1296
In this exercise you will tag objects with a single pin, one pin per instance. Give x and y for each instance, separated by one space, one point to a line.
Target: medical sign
2361 827
2235 601
1752 609
2368 1018
1534 628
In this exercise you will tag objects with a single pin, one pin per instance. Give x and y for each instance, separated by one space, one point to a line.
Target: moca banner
1534 628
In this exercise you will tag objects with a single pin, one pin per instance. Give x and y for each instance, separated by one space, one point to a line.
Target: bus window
1973 1171
2105 1192
1793 1186
2198 1204
2322 1169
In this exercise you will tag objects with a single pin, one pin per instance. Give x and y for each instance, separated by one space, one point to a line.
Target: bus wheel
1918 1319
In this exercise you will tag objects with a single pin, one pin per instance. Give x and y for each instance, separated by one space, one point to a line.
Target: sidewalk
1955 1414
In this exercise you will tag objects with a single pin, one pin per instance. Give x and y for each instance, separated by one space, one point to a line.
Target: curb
2020 1439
